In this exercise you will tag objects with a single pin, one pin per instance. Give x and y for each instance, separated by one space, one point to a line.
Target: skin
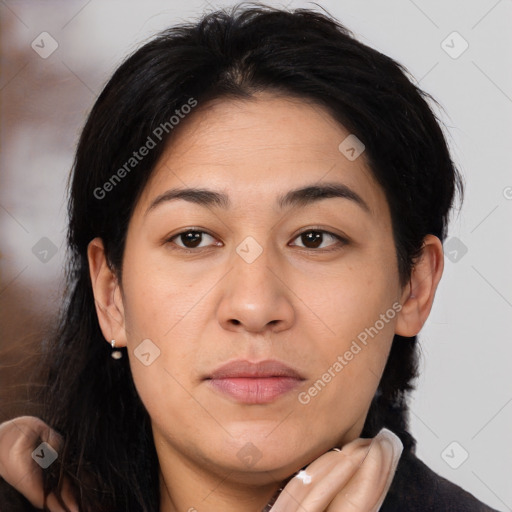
296 302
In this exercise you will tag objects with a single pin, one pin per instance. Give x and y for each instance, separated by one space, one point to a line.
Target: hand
355 479
18 439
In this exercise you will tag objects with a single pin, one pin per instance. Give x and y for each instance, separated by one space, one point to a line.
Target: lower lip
250 390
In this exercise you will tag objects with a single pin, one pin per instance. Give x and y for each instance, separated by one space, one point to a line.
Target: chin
253 465
262 473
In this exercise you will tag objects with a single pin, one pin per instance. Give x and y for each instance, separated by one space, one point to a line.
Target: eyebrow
299 197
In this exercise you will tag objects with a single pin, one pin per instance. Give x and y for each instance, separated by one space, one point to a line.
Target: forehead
265 145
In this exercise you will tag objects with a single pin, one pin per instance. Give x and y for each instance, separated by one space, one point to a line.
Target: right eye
190 239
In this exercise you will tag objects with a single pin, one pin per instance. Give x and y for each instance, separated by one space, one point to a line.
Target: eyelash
344 241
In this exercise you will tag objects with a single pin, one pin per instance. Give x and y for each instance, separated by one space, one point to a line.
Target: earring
116 354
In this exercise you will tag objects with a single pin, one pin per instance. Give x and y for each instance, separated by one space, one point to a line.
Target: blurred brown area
43 106
21 328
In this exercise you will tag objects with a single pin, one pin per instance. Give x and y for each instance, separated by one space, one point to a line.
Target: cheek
350 300
161 333
358 311
155 302
341 390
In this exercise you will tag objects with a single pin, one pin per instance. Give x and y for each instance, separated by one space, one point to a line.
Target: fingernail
392 443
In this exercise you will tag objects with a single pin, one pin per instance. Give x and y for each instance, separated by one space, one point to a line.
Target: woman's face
259 275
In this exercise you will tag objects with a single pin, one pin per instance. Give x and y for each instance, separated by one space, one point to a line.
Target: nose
256 297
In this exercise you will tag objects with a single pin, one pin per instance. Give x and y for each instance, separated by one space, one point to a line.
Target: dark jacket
415 488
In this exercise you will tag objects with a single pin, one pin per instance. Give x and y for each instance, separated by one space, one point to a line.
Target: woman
257 209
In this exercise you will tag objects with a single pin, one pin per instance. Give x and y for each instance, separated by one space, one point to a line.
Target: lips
243 368
254 383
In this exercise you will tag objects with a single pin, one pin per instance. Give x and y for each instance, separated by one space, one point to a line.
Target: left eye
314 239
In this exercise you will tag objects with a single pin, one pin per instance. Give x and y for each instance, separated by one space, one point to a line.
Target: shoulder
416 488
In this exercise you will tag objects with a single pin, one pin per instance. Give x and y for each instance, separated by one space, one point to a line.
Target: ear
418 295
107 294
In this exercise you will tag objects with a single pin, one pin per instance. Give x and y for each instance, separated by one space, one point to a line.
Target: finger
52 437
54 506
21 434
313 488
31 486
367 489
67 496
34 428
364 488
398 448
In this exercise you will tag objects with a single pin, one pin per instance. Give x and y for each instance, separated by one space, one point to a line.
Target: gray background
464 395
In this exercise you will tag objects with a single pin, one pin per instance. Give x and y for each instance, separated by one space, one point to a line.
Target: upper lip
242 368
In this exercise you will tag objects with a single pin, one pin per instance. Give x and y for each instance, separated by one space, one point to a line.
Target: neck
184 488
